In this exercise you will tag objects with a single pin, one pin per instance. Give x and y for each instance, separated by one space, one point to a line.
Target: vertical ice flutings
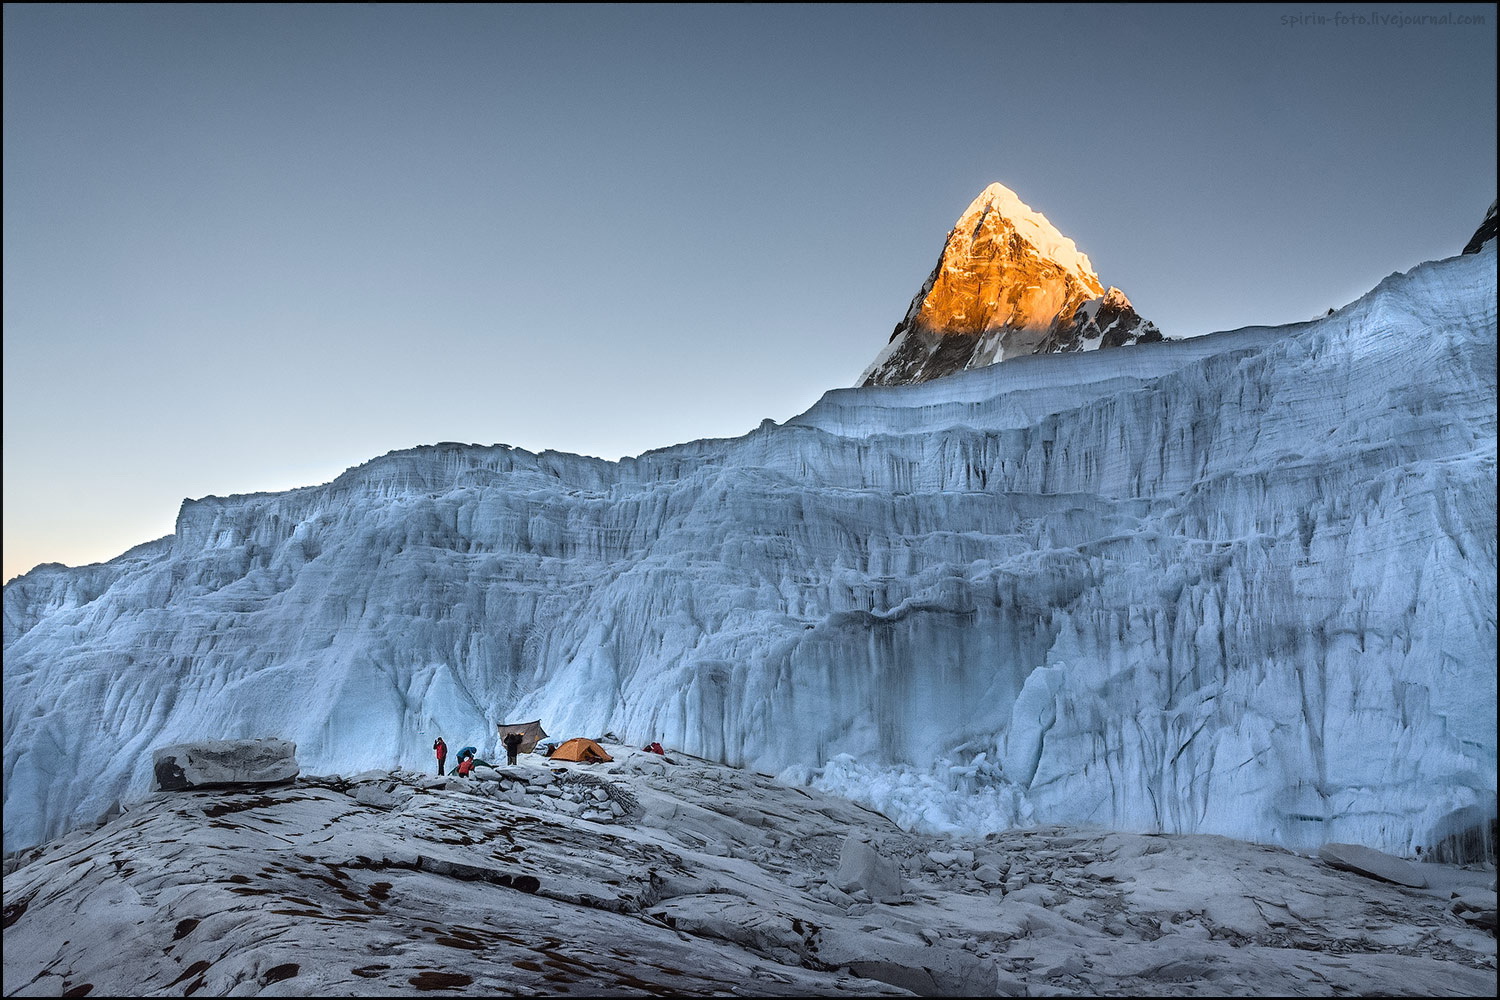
1242 584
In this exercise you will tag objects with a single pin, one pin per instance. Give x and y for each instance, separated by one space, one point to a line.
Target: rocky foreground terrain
652 876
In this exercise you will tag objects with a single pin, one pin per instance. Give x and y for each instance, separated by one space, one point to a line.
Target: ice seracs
1007 284
1241 584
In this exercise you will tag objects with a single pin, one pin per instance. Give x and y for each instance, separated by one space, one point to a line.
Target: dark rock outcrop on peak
1484 233
1109 322
1006 285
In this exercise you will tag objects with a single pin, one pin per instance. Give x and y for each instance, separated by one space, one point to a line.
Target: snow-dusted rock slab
716 884
1376 864
214 763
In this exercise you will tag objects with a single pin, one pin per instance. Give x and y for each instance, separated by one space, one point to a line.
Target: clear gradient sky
248 247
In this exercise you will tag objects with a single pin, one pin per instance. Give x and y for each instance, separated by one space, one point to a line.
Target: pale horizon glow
249 247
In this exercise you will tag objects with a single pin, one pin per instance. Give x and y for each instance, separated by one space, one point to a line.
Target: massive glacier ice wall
1241 584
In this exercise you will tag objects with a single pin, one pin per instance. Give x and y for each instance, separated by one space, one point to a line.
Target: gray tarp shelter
532 733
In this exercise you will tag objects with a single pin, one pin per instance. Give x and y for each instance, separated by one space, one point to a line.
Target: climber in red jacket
441 749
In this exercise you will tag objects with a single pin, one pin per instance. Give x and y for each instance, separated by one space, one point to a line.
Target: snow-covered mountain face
1239 584
1484 233
1007 285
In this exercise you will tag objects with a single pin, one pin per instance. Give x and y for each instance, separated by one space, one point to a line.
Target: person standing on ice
441 749
512 746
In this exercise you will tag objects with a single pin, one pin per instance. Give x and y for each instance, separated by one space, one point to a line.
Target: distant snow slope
1240 584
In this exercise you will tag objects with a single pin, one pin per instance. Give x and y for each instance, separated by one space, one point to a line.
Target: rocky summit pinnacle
1483 234
1007 284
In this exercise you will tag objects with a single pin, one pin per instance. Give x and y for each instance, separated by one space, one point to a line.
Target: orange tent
583 750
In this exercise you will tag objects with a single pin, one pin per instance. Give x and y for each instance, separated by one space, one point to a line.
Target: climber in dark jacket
512 747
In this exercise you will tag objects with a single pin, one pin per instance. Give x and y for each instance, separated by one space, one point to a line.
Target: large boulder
1375 864
220 763
862 867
